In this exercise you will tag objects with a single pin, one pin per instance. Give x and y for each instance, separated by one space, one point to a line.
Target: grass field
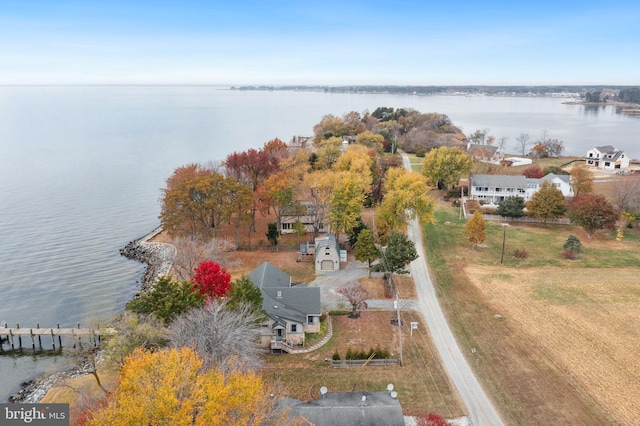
565 348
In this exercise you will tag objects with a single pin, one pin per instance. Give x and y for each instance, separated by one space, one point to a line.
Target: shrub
351 354
521 254
570 254
421 152
573 244
336 356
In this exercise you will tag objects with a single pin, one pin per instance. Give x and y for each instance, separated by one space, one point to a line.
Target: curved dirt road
480 409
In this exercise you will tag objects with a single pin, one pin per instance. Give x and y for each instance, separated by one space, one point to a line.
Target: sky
282 42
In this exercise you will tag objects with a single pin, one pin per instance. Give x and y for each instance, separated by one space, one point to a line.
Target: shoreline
158 257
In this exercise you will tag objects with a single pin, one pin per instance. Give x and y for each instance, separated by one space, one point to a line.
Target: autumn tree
225 338
405 198
191 251
320 186
329 127
195 202
592 212
346 203
277 192
166 299
357 296
252 167
169 387
444 166
244 292
533 172
241 201
211 280
359 161
328 152
512 206
547 203
581 179
475 229
370 140
365 248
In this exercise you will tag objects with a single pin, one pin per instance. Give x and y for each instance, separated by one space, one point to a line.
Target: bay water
81 169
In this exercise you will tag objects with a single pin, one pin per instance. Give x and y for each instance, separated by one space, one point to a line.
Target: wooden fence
347 363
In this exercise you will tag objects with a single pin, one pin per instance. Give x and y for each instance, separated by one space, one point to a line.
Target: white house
495 188
606 158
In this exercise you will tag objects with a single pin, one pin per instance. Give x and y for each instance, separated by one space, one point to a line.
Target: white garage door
326 265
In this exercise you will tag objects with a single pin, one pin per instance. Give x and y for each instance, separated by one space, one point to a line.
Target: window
279 294
327 251
294 328
286 226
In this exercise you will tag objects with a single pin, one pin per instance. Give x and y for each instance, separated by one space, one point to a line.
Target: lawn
421 384
565 346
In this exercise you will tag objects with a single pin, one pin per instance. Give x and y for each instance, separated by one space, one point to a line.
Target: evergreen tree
512 206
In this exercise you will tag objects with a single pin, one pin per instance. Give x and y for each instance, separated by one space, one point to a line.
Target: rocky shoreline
158 257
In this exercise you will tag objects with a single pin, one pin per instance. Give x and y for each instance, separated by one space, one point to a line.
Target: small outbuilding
327 254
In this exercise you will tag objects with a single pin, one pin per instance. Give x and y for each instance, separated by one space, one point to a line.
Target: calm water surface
81 170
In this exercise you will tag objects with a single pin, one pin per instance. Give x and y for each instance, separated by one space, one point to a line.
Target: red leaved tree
433 420
211 280
533 172
592 212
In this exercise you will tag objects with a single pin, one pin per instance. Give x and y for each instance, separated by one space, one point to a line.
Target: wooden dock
11 334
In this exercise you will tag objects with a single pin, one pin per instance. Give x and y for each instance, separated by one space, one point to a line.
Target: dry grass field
585 321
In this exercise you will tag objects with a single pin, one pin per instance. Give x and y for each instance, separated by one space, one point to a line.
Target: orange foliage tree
169 387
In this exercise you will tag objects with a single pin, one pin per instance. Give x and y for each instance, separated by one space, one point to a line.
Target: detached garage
327 254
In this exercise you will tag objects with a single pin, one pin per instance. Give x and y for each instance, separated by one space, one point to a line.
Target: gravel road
481 411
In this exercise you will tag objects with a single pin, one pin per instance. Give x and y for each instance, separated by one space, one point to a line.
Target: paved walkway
320 342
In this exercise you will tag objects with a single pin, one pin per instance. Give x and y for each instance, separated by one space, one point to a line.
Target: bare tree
224 338
502 141
356 294
191 251
625 194
524 140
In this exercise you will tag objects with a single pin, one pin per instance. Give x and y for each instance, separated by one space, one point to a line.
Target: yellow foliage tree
405 198
581 179
168 387
475 229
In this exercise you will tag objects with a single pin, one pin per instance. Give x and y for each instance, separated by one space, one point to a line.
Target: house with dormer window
292 310
606 158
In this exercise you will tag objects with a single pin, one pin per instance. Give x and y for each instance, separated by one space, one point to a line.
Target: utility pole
397 306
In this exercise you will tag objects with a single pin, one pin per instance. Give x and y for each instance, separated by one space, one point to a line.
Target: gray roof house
292 311
349 409
495 188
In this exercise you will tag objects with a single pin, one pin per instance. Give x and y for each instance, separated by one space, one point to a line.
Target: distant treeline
447 90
